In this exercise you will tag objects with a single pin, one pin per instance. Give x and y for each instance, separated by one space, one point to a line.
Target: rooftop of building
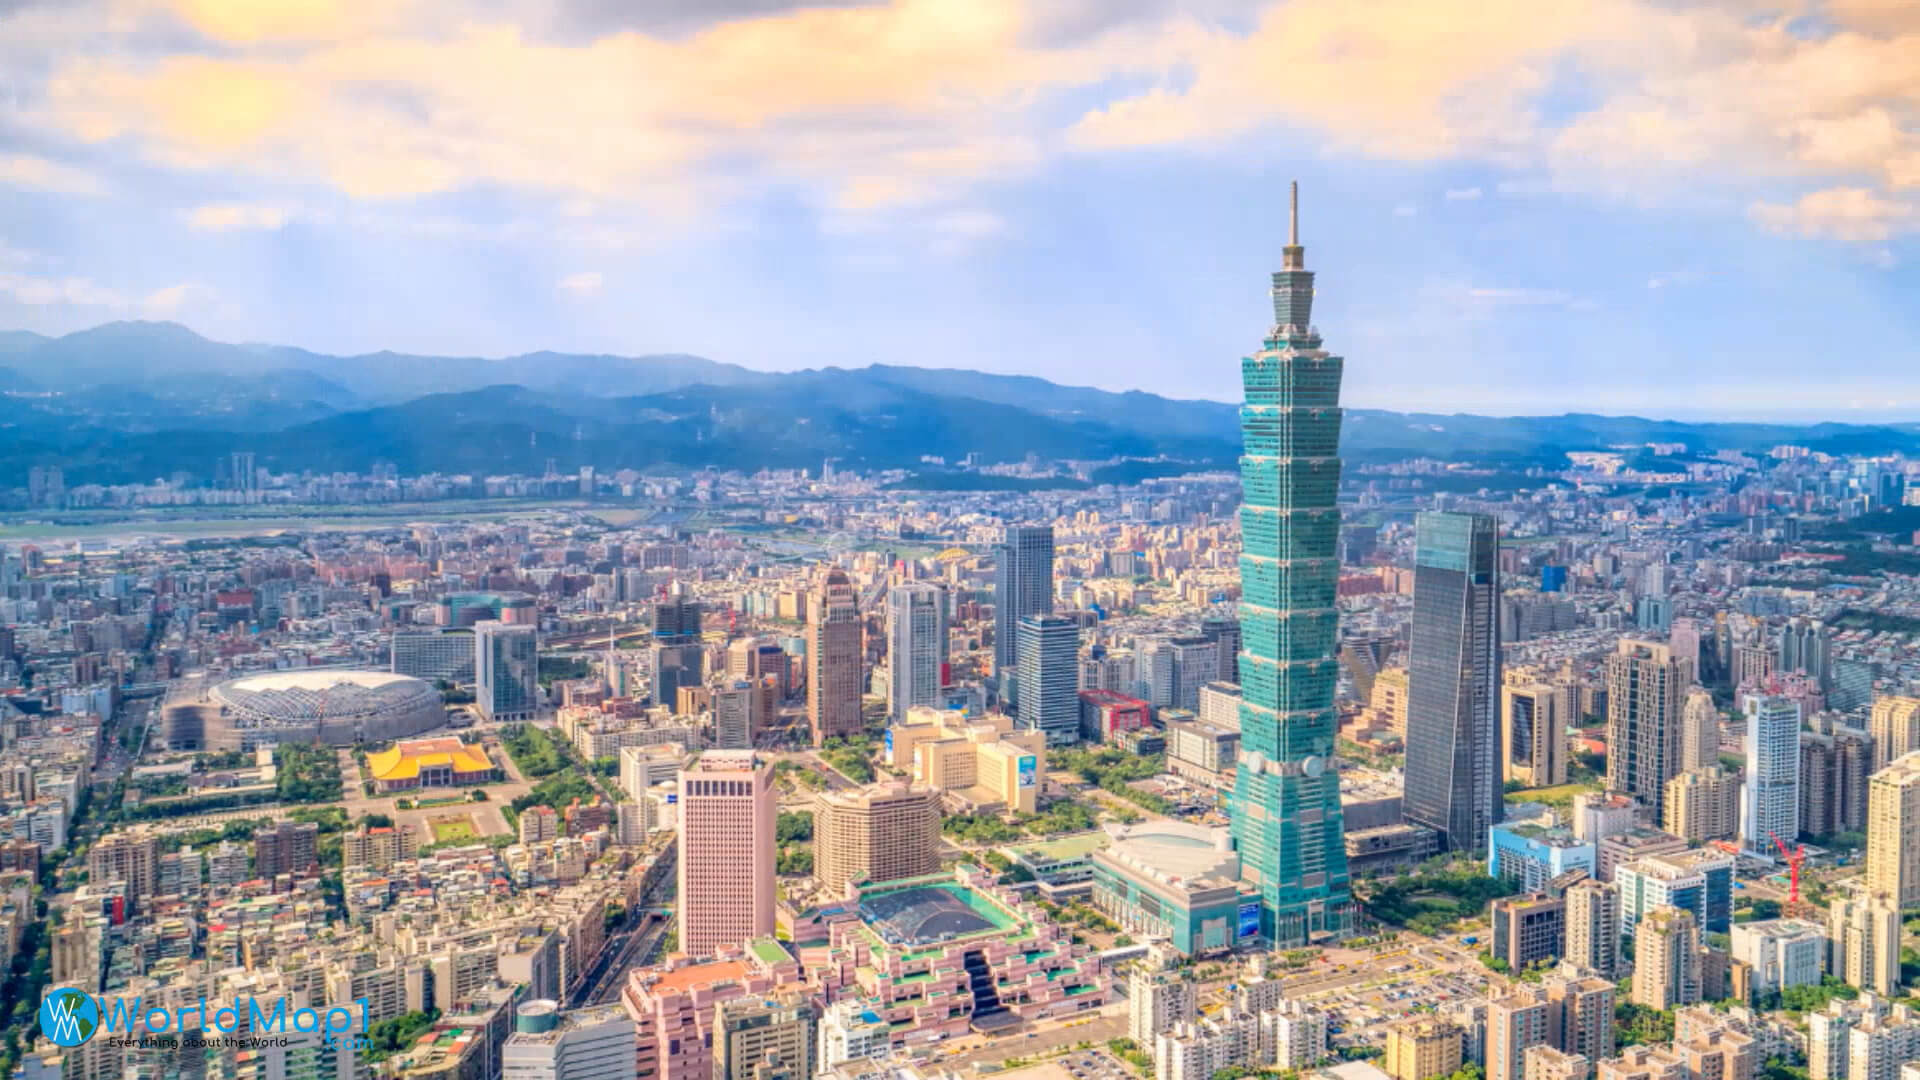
768 951
406 760
1063 848
316 679
1175 852
923 911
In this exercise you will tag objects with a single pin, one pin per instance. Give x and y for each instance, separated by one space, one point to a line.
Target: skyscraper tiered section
1286 796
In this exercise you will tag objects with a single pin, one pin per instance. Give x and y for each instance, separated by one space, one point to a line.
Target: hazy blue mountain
137 400
13 341
137 352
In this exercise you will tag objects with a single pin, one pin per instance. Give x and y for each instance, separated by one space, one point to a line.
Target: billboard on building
1249 918
1029 768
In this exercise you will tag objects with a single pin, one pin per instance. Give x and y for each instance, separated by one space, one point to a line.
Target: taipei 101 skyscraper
1286 793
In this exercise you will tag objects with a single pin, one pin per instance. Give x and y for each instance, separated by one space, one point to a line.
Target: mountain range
132 401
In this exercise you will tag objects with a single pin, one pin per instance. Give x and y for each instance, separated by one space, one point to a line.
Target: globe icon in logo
69 1017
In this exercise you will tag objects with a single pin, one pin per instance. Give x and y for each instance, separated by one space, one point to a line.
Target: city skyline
1112 172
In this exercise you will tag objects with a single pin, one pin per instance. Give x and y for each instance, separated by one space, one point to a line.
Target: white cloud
891 103
1463 194
40 174
72 291
1406 210
224 216
584 283
167 302
1850 215
79 291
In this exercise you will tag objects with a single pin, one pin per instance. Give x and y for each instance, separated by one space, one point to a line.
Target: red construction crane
1794 858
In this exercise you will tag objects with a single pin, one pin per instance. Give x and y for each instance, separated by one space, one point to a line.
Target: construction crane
1794 858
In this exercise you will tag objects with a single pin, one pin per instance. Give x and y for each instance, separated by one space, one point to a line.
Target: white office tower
1770 796
916 635
580 1044
1781 952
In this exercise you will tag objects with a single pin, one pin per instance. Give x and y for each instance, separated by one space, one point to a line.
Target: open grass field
1560 795
452 829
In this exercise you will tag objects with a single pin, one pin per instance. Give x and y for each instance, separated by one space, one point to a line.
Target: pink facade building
726 858
672 1005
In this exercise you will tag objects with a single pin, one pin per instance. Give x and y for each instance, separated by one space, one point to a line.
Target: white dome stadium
329 705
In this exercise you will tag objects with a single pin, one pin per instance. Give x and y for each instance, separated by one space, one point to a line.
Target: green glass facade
1286 796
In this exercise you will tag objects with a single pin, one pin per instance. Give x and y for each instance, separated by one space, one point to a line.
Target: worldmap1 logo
69 1017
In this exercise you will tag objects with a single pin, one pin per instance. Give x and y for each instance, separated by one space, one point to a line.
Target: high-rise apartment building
1286 797
726 857
883 832
1893 832
1515 1021
676 619
1422 1049
1770 785
1453 773
506 666
1863 941
1883 1044
1834 766
757 1038
1580 1014
1049 668
1223 631
1894 724
1543 1062
376 847
1022 585
1806 648
286 847
1666 959
833 658
1535 743
1593 926
1700 727
1159 996
132 857
916 630
1645 688
1702 804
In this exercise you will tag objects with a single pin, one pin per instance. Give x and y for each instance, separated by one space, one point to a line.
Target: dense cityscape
1604 771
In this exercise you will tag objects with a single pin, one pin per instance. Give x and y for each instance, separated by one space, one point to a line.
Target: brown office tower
833 658
883 832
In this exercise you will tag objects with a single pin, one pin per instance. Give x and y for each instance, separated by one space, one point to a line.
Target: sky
1687 208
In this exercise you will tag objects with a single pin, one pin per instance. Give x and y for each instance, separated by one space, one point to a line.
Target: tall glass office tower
1453 680
1286 795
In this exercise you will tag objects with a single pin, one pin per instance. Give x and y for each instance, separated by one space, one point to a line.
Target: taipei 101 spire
1287 824
1293 282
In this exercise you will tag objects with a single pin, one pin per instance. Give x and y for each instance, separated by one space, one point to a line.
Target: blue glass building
1286 796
